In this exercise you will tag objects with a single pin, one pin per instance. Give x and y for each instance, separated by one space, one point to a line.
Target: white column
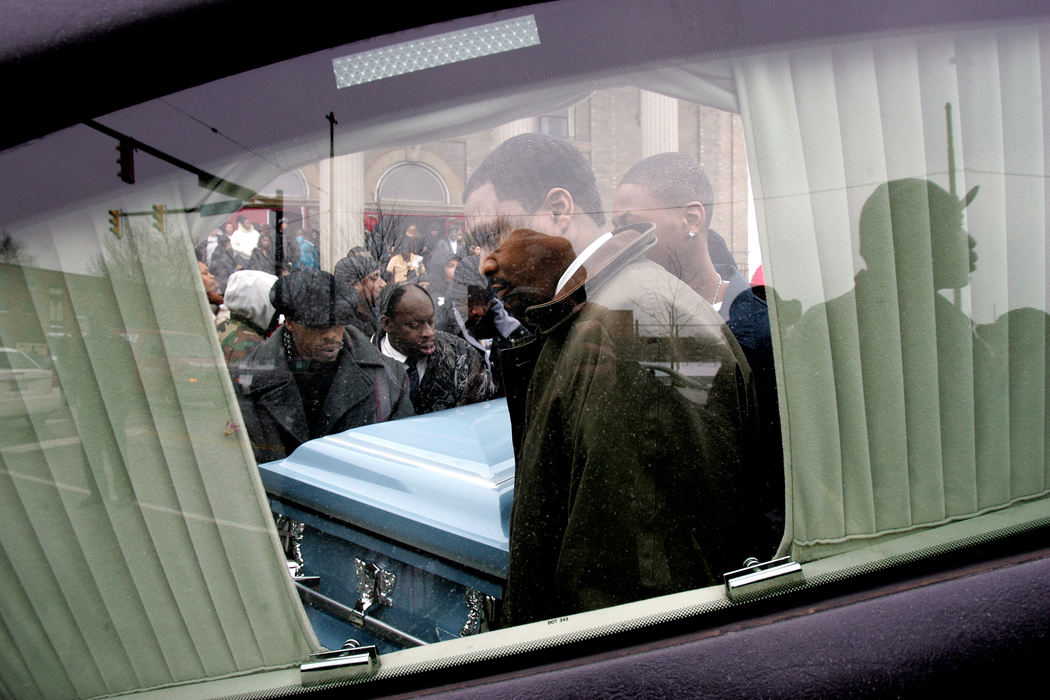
342 206
659 117
511 129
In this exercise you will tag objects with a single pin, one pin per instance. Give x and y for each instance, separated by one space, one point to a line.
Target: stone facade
609 128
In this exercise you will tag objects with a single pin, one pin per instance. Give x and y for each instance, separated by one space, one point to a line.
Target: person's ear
559 207
695 219
387 324
489 266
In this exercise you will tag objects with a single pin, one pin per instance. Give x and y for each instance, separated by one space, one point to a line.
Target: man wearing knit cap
314 376
359 276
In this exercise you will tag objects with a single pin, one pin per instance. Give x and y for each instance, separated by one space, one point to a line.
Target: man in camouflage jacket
250 313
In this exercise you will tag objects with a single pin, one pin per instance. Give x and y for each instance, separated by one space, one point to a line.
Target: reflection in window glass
557 125
680 332
13 359
291 184
657 418
412 182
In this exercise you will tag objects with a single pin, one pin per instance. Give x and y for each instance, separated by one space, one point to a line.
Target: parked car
25 388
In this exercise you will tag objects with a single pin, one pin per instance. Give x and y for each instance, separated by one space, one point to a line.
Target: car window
816 331
12 359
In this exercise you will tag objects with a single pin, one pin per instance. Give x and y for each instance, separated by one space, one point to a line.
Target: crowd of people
635 359
310 353
237 245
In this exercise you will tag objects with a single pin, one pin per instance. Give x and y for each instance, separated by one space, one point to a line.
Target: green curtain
912 372
137 547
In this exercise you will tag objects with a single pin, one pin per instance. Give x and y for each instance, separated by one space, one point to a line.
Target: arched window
411 182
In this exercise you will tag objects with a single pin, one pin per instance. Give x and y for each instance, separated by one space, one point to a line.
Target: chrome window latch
757 578
290 532
480 612
351 660
374 585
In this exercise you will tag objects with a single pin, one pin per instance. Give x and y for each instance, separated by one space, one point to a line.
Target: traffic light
126 161
114 222
158 217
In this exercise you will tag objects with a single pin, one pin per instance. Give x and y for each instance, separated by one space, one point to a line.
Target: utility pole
951 148
278 235
968 197
331 174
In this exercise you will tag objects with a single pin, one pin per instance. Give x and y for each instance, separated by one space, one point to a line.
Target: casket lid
441 482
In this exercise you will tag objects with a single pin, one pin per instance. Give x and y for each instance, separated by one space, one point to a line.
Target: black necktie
413 379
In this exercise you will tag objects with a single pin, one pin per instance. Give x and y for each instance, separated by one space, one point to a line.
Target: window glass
660 314
411 182
13 359
558 124
817 327
291 184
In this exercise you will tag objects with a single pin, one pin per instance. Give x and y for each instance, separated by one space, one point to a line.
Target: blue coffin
425 499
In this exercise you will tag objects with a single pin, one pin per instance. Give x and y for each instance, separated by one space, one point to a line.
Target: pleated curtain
136 545
913 376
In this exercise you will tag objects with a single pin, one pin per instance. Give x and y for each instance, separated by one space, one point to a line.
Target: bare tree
13 252
387 234
142 247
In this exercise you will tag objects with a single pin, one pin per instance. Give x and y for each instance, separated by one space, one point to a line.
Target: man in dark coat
628 481
207 245
314 376
444 370
449 245
225 261
262 258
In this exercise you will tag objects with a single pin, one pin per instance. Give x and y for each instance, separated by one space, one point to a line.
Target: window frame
866 22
